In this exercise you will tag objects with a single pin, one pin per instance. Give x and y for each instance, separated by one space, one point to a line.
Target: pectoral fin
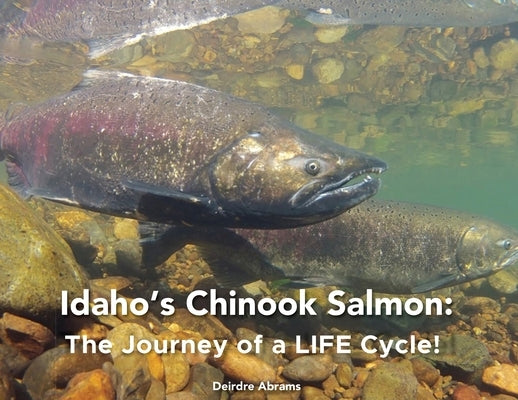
436 283
171 206
298 282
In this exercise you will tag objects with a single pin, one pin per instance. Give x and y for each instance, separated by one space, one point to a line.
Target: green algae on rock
35 262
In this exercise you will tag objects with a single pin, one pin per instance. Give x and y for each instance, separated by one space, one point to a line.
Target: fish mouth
509 259
356 187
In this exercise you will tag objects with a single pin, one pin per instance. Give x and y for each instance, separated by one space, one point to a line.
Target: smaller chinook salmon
390 247
173 152
109 25
417 13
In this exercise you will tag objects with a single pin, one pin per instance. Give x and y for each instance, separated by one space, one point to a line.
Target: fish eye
505 243
312 167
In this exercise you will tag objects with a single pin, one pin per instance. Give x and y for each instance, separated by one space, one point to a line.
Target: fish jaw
509 259
345 194
342 193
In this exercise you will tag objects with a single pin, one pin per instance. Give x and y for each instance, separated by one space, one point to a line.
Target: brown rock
29 337
330 386
182 396
425 371
361 376
394 380
156 366
37 264
6 384
424 393
503 377
502 397
130 375
202 380
111 282
208 326
464 392
125 228
13 360
156 390
55 367
309 368
176 369
95 384
313 393
192 358
249 395
283 395
244 367
344 375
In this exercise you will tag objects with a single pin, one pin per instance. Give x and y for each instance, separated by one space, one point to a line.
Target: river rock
55 367
208 326
186 396
330 34
391 381
504 54
465 392
244 367
309 368
480 305
424 371
202 378
176 370
30 338
95 384
131 375
503 377
156 390
175 46
13 360
464 357
328 70
344 374
504 282
266 352
119 337
263 20
36 264
6 383
313 393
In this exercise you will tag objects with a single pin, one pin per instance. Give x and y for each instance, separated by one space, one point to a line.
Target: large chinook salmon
390 247
173 152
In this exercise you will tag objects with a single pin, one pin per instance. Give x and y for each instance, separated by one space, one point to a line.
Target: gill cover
231 176
475 251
